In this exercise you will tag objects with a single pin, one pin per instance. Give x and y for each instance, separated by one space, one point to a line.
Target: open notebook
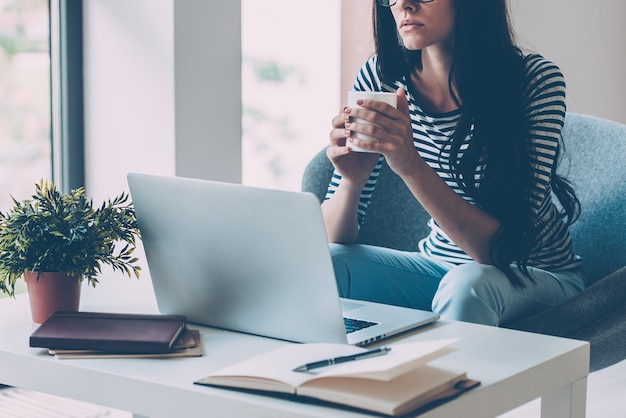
251 260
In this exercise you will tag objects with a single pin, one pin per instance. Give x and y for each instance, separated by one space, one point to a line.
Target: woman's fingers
334 153
339 120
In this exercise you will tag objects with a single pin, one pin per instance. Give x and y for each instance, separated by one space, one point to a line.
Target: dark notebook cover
130 333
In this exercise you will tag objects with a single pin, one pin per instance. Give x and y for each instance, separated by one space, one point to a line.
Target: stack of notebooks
72 335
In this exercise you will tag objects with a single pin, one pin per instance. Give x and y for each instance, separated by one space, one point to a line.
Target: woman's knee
473 277
471 292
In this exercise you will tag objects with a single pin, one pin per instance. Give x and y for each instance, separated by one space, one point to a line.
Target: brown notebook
129 333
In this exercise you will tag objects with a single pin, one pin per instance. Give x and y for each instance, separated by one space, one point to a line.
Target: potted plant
57 240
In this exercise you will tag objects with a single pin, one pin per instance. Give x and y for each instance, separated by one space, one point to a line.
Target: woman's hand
354 167
390 130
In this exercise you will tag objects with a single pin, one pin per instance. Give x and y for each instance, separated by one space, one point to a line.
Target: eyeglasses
389 3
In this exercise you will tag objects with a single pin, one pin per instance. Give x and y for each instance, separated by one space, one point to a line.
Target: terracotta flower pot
54 291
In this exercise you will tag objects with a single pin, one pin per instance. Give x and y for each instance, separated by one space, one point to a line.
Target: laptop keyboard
356 324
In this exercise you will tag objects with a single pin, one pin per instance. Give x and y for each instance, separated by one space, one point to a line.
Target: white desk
514 367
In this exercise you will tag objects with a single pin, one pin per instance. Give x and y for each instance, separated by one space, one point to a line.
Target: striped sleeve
544 100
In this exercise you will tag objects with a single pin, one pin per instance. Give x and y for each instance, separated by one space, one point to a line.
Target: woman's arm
469 227
340 210
340 214
466 225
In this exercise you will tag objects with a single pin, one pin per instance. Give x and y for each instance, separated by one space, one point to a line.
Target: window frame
67 100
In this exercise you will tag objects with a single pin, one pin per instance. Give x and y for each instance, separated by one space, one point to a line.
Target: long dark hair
486 80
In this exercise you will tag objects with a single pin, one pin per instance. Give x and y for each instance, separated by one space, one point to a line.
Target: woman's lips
409 24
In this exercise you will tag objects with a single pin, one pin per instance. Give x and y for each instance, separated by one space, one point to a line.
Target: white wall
586 39
162 91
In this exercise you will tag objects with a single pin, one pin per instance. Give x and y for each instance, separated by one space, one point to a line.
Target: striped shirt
544 97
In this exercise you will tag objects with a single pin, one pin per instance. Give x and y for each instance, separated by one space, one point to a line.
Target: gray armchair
595 162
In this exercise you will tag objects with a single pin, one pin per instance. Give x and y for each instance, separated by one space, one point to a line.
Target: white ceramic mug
387 97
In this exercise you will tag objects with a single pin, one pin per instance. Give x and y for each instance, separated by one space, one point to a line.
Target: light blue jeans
469 292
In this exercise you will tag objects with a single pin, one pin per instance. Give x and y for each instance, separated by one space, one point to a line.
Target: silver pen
338 360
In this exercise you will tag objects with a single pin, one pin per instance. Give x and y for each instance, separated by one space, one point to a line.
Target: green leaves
63 232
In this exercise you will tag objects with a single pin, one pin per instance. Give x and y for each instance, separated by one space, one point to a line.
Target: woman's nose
406 4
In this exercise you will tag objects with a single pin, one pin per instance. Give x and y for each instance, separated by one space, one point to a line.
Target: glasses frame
390 3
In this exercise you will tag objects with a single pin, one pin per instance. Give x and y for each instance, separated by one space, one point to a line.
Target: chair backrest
395 219
594 161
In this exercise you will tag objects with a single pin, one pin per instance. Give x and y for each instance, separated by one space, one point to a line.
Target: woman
475 137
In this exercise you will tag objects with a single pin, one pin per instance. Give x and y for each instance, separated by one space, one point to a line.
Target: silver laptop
251 260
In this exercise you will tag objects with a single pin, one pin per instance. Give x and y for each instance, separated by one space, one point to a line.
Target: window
290 87
25 116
